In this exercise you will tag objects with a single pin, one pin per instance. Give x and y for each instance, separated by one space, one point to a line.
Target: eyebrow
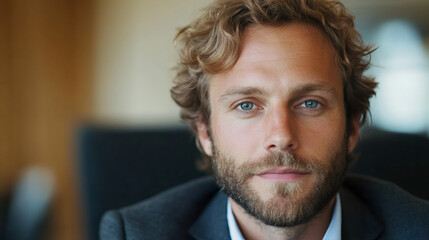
243 91
308 88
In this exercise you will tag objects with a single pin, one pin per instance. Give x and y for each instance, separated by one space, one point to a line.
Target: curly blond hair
211 45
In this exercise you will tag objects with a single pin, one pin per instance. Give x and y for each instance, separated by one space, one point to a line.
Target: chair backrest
396 157
120 167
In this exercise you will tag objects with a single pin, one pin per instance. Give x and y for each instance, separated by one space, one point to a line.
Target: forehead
282 56
286 42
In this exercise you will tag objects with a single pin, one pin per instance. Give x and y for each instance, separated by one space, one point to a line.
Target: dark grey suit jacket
371 209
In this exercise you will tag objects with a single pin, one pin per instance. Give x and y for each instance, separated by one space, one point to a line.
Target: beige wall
134 55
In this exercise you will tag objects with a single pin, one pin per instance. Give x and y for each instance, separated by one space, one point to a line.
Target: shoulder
398 211
384 194
164 216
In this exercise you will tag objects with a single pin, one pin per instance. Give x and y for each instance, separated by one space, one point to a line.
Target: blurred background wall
67 62
400 30
46 87
134 54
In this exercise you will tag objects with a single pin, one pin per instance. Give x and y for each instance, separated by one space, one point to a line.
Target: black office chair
397 157
120 167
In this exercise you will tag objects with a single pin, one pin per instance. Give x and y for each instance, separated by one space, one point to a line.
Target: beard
289 205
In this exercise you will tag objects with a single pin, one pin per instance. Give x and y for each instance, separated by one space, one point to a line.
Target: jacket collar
357 220
212 223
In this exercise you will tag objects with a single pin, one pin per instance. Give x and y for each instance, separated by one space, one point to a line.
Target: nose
279 130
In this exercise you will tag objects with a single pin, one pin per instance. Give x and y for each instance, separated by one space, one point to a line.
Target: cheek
239 138
321 137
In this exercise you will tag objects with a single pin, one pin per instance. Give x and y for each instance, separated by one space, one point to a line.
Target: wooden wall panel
45 91
8 168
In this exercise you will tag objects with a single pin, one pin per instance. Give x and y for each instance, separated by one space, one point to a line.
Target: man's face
278 125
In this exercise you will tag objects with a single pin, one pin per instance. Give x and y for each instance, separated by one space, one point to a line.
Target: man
275 93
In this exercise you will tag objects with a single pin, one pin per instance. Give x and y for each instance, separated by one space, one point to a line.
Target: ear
354 132
205 141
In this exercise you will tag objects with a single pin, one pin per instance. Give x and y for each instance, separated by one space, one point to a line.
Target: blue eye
246 106
311 104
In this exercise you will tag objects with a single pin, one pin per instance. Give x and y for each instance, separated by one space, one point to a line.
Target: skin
285 93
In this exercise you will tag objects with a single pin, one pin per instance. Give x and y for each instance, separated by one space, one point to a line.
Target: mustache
279 159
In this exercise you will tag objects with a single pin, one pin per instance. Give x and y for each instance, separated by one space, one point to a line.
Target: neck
252 228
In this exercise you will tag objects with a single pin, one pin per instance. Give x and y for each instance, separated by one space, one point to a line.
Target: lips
283 174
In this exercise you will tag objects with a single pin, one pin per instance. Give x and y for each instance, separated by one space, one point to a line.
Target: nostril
281 147
271 147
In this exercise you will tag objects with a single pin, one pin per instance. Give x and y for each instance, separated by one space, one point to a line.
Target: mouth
283 174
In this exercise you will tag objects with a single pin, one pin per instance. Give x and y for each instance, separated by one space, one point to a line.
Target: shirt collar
334 229
333 232
234 230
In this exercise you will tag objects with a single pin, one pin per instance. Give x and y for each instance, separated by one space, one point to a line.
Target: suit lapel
357 220
212 223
